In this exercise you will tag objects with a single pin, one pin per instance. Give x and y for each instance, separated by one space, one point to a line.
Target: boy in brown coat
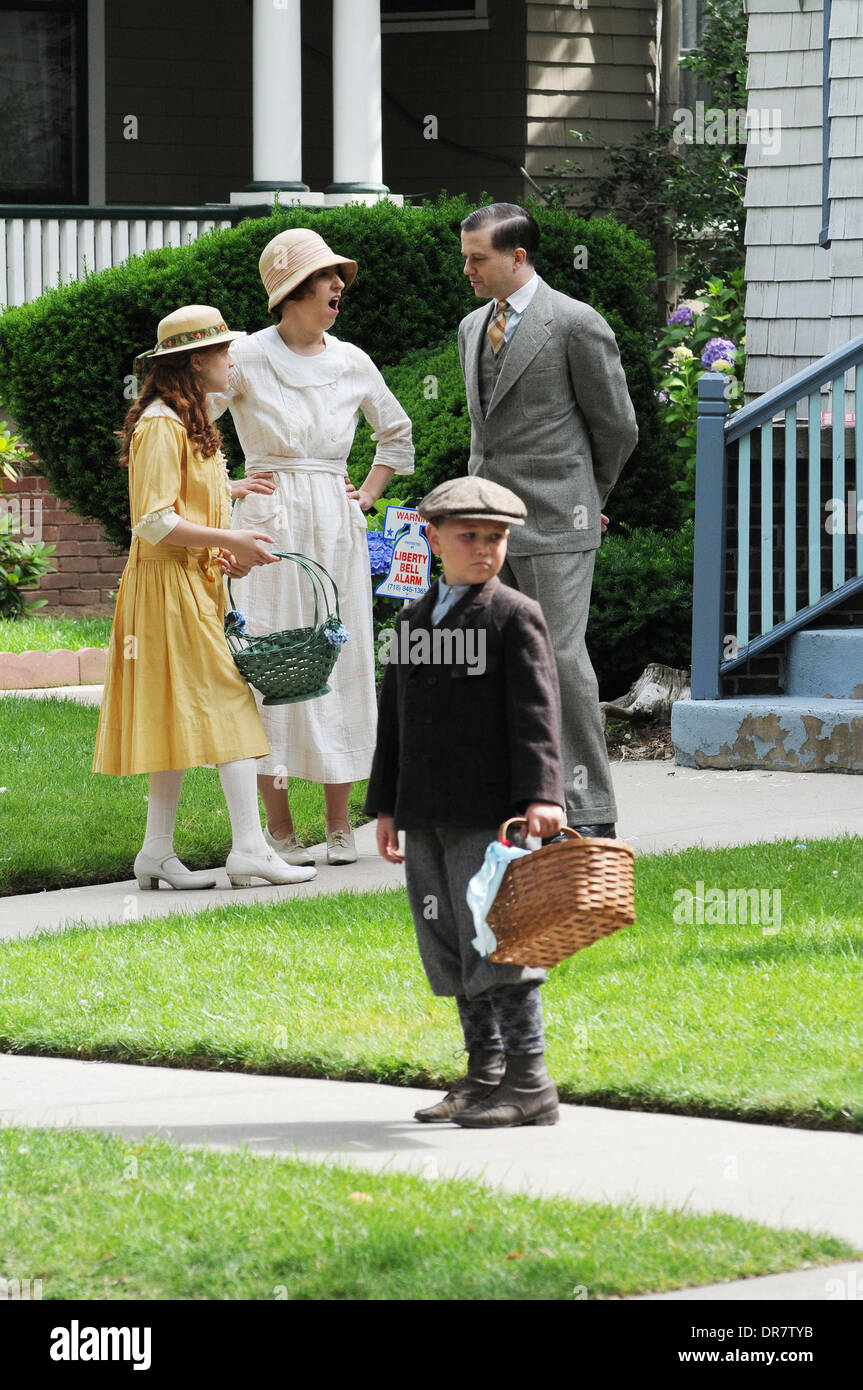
468 735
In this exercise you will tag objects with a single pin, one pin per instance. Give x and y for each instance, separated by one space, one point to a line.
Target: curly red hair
172 380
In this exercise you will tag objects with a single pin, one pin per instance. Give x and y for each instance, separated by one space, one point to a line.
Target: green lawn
95 1217
730 1021
44 634
63 825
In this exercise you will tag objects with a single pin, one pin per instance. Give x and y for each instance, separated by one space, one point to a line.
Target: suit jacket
560 424
455 748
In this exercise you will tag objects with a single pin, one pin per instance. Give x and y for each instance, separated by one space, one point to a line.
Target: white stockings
240 785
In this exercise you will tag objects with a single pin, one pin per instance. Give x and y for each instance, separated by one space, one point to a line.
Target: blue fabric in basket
482 891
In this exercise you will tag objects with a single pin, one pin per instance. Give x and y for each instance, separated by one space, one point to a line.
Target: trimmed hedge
641 604
66 358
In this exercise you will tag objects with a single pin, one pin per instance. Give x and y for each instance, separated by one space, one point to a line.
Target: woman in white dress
295 394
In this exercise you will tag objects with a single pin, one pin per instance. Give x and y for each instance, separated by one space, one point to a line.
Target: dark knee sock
479 1023
518 1010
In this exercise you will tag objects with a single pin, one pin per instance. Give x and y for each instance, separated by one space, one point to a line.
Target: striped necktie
496 330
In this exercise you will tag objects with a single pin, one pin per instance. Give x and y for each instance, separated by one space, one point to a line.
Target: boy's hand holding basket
558 899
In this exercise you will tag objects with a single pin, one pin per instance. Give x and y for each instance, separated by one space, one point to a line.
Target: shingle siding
590 69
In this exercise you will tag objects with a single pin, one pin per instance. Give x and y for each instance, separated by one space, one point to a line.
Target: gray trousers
560 583
438 866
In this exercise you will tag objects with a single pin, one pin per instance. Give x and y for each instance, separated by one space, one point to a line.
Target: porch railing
780 516
44 245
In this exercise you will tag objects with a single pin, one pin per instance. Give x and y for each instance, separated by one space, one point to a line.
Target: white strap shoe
242 868
148 871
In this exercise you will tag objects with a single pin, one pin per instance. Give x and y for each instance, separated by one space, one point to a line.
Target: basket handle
314 579
306 563
520 820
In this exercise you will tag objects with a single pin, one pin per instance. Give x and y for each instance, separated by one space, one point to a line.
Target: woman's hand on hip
255 482
388 840
249 548
365 499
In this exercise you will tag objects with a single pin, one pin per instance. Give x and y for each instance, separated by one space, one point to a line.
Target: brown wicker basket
558 899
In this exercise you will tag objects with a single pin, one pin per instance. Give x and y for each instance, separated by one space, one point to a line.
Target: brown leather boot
484 1071
526 1096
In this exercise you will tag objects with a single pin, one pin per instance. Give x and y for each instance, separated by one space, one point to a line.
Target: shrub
709 338
66 358
641 609
22 565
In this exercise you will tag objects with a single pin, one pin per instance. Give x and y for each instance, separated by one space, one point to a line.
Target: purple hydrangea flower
683 315
715 349
662 396
380 552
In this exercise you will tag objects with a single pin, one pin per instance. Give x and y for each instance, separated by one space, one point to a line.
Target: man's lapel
474 339
530 335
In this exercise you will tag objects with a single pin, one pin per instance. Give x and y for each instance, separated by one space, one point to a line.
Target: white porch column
357 145
277 96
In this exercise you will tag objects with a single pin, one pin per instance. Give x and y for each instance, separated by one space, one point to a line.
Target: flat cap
472 496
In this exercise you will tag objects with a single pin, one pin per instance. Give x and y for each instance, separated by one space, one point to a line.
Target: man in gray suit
551 419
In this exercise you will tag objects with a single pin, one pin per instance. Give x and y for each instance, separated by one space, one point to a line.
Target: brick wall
87 565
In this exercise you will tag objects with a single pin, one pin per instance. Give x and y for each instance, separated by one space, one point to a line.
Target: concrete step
782 733
826 663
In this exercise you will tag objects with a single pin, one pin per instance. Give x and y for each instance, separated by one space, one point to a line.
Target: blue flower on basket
235 623
336 633
380 552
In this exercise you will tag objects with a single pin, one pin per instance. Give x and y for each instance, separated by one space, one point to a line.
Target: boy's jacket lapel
474 602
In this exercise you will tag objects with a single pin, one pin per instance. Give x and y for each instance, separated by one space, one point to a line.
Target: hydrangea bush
706 336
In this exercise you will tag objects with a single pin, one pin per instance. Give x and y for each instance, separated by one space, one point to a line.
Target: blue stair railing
768 520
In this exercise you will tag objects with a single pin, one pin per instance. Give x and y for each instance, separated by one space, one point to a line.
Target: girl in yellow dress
173 697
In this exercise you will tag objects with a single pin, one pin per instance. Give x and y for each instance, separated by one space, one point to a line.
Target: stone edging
40 670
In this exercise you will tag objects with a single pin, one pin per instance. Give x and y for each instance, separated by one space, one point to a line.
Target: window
43 112
692 88
417 15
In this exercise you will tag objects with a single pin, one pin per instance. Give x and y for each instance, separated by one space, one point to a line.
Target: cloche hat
292 257
193 326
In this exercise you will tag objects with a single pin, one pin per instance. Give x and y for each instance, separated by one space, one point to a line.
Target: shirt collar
444 588
522 297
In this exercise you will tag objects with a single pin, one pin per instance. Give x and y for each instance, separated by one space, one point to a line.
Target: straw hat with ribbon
193 326
292 257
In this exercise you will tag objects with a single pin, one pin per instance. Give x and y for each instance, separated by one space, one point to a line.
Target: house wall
787 272
472 81
503 97
846 172
590 68
184 69
802 299
88 567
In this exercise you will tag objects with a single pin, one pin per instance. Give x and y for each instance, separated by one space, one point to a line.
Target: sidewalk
784 1177
662 807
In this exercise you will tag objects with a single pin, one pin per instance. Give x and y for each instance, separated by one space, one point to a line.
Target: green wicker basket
295 664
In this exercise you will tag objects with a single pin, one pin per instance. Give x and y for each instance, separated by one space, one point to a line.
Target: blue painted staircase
815 726
777 628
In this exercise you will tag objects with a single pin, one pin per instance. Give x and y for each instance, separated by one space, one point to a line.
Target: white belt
283 464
